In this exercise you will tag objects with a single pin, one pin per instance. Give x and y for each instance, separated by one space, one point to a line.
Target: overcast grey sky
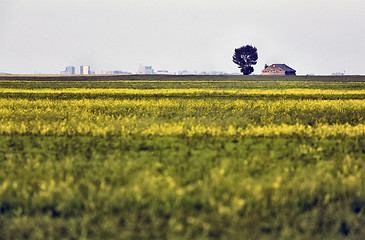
312 36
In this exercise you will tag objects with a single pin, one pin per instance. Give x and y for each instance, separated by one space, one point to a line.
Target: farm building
278 69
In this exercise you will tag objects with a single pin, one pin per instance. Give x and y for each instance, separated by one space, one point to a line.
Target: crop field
182 159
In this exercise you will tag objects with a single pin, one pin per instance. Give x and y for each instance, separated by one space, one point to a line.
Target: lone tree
244 57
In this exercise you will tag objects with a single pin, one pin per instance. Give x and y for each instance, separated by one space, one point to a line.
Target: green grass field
162 158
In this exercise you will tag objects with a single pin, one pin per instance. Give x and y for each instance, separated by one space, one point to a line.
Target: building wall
84 70
279 73
145 69
276 71
290 73
273 71
70 70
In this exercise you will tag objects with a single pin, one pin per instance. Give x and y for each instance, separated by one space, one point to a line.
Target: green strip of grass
181 188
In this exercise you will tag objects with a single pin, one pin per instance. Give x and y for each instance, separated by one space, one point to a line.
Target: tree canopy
245 57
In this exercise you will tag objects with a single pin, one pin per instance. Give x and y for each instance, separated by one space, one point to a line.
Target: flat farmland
195 157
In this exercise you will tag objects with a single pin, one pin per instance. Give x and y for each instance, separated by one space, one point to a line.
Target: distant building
162 72
278 69
85 70
186 72
338 74
117 72
70 70
121 72
145 69
213 73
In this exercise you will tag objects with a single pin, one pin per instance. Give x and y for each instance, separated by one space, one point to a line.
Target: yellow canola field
187 91
183 116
